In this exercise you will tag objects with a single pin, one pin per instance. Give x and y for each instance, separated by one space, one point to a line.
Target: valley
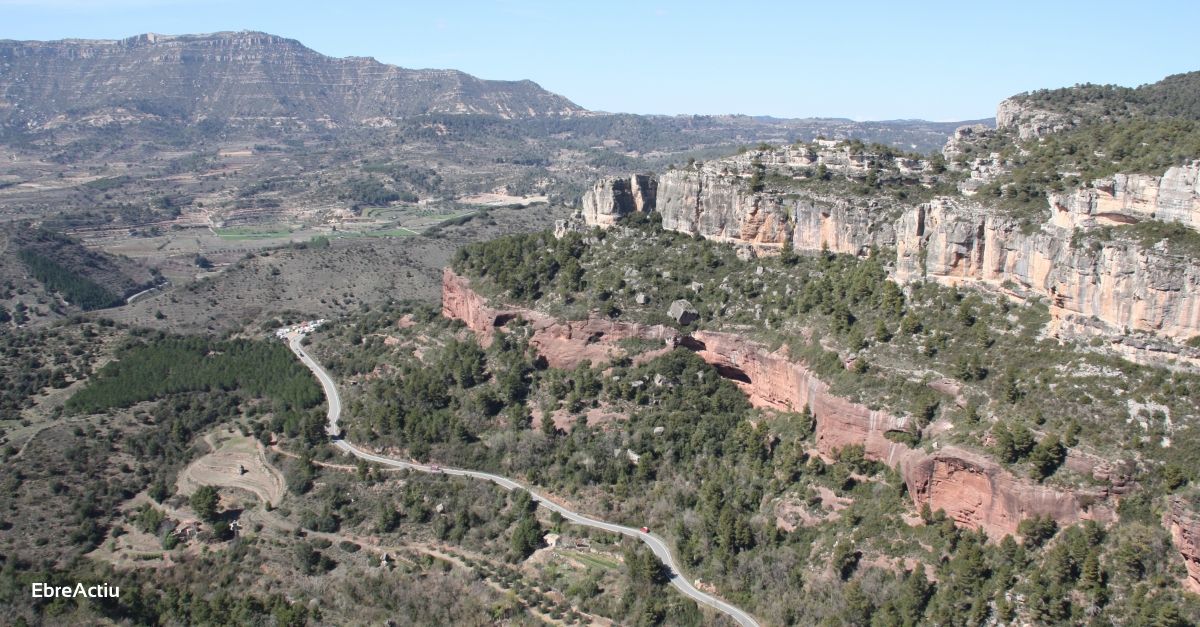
578 367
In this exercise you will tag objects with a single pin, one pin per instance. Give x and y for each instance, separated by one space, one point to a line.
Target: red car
645 530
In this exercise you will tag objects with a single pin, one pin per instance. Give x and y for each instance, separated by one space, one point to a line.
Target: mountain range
254 76
242 75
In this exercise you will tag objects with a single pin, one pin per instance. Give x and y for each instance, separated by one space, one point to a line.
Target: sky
867 60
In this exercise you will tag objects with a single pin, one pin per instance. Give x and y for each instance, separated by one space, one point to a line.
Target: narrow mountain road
656 544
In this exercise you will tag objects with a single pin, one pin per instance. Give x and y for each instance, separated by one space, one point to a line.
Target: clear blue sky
862 60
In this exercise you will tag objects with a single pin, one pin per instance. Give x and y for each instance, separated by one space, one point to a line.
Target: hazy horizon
940 62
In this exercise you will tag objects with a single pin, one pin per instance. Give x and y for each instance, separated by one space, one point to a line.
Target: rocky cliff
564 344
972 490
1030 121
617 196
1120 284
1117 286
1131 198
711 201
239 75
712 205
1184 524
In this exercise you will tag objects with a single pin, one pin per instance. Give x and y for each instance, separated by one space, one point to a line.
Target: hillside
47 275
1176 96
848 373
246 75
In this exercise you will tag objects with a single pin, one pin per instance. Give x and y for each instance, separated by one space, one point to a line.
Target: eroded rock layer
1107 289
1184 524
1122 284
974 491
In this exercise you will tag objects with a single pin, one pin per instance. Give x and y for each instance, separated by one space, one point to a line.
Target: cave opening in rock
732 373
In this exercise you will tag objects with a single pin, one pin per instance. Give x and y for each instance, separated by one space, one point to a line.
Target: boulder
682 312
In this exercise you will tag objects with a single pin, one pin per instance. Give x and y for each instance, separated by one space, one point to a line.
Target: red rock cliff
563 343
1184 525
974 491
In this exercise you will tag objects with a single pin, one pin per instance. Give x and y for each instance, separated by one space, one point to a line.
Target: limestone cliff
717 205
712 205
1118 286
1129 198
1031 122
617 196
973 490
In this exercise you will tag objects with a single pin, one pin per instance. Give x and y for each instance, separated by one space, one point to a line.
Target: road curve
656 544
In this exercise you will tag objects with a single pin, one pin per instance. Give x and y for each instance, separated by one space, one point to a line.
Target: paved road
656 544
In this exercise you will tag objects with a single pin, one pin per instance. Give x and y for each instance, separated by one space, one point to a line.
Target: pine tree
204 502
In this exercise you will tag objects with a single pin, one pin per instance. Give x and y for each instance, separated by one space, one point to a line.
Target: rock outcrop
614 197
1030 122
715 203
563 343
1129 198
1184 524
1121 284
973 490
1109 289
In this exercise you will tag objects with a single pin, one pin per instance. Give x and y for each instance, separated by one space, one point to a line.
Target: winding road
656 544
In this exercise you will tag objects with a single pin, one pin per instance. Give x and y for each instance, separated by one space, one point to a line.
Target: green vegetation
251 233
520 266
881 177
1110 129
369 191
160 365
1180 239
107 184
1061 398
1173 96
204 502
1067 159
77 289
710 472
34 359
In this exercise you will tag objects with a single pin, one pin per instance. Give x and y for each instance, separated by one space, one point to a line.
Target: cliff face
1091 290
772 380
1130 198
716 205
1031 122
1184 525
564 344
972 490
614 197
1120 284
709 204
